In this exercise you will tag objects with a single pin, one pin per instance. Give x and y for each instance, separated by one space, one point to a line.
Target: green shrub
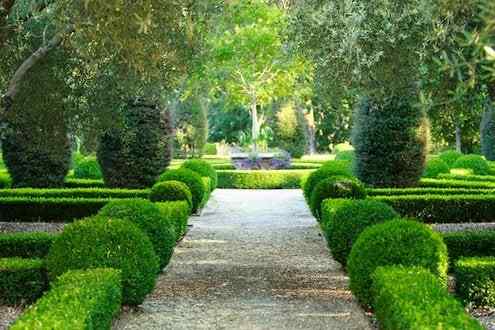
487 136
436 183
210 149
450 157
469 177
75 193
476 163
83 183
134 155
87 168
444 208
25 245
434 167
348 155
177 213
344 220
21 280
5 180
204 169
147 216
413 298
335 187
77 300
290 130
475 280
396 242
193 181
331 168
427 191
390 140
169 191
469 243
113 243
279 179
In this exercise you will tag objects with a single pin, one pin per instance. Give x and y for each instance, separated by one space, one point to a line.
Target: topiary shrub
290 130
450 157
335 187
390 140
107 243
476 163
87 168
147 216
396 242
169 191
348 155
488 133
434 167
203 168
328 169
193 181
344 220
134 155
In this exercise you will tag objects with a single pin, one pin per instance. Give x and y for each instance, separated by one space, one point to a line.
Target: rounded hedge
348 219
87 168
335 187
348 155
328 169
169 191
450 157
434 167
147 216
107 243
476 163
203 168
193 181
396 242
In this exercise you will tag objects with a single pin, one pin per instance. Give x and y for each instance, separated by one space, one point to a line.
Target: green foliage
348 155
396 242
193 181
391 142
113 243
171 191
84 183
210 149
191 127
335 187
413 298
428 191
87 168
147 216
87 299
468 178
25 245
444 208
450 157
177 213
475 280
204 169
470 243
21 280
344 220
434 167
436 183
279 179
290 130
75 193
331 168
134 155
473 162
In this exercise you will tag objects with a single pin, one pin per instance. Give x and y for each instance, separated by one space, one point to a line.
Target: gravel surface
253 260
454 227
8 315
13 227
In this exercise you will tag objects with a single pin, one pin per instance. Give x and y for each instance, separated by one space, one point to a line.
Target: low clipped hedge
476 163
396 242
413 298
335 187
75 193
328 169
147 216
204 169
279 179
193 181
107 243
87 299
444 208
343 220
177 213
25 245
83 183
171 191
470 177
469 243
444 183
475 280
21 280
427 191
435 167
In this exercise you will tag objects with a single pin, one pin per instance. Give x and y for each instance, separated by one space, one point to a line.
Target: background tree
290 130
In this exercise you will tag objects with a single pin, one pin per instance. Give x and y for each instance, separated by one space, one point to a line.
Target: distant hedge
280 179
22 280
25 245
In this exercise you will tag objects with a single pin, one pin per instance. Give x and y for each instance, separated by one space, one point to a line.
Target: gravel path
253 260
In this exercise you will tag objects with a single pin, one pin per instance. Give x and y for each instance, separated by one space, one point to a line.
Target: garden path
253 260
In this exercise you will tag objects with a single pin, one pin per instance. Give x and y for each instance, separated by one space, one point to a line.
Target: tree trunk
255 127
458 138
311 132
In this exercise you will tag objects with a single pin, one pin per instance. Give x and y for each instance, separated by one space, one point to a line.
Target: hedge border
275 179
22 280
26 245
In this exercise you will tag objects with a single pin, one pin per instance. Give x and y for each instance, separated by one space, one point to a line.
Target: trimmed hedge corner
396 242
78 300
475 280
413 298
21 280
26 245
469 243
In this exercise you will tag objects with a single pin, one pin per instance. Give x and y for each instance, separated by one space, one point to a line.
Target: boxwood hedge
25 245
203 168
21 280
279 179
469 243
475 280
193 181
